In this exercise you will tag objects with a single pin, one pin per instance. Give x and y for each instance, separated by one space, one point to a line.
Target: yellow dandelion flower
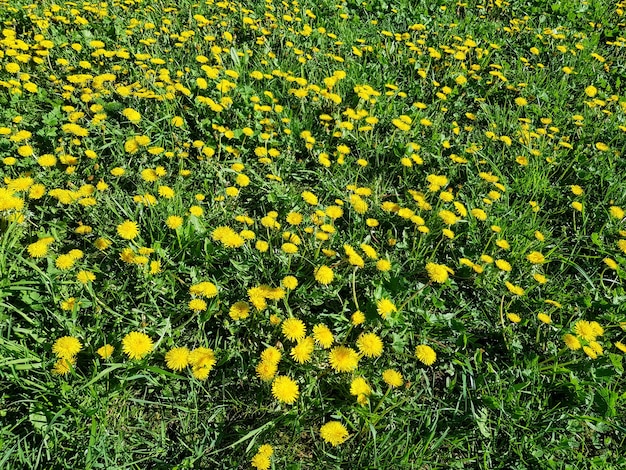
85 277
202 361
513 289
37 249
136 345
197 305
271 355
302 351
343 359
261 461
425 354
174 221
239 310
294 329
437 272
64 262
177 358
105 351
359 386
589 351
323 336
357 318
572 342
310 198
616 212
385 307
383 265
535 257
66 347
204 289
544 318
285 389
585 330
393 378
514 317
63 366
128 230
370 345
289 282
324 275
266 371
334 433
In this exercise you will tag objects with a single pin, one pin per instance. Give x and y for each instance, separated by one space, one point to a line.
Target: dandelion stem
356 302
412 297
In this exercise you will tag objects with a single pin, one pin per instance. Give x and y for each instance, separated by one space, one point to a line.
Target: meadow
381 234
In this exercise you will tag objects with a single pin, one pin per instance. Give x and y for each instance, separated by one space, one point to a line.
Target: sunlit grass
317 234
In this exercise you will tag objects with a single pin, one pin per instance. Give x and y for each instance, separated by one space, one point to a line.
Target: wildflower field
382 234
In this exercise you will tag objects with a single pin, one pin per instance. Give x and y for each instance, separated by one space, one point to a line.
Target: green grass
501 393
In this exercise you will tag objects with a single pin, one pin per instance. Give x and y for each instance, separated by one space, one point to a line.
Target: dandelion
359 386
343 359
544 318
370 345
285 389
585 330
197 305
63 366
438 272
513 289
266 371
106 351
323 336
334 433
136 345
177 358
357 318
202 361
85 277
591 91
174 221
572 342
383 265
271 355
393 378
261 460
616 212
132 115
479 214
239 311
385 307
289 282
294 329
425 354
535 257
514 317
128 230
310 198
65 262
37 249
610 263
324 275
204 289
66 347
302 351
